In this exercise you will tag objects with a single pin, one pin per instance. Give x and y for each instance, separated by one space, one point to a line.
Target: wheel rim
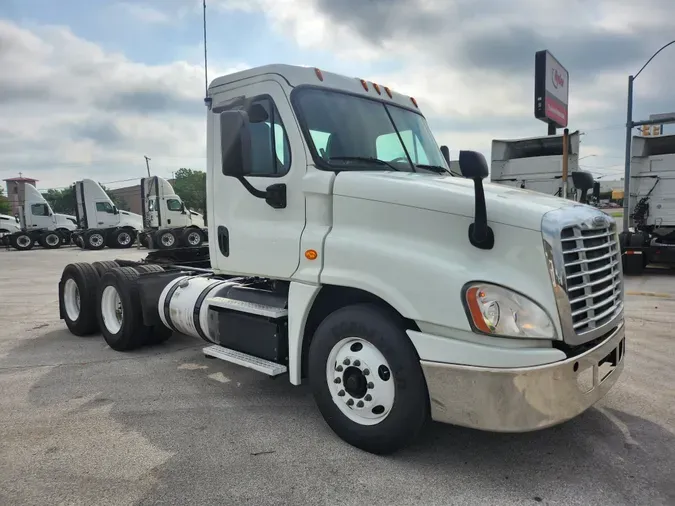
71 299
24 241
111 309
52 239
96 240
124 239
168 239
360 381
193 238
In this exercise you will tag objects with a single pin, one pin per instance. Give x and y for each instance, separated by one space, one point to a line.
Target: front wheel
366 379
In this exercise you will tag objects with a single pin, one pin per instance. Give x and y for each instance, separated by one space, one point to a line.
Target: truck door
251 235
39 216
105 215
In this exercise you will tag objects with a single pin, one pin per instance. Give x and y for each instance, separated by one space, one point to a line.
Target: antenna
206 68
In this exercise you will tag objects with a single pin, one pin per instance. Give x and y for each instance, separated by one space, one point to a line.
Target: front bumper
524 399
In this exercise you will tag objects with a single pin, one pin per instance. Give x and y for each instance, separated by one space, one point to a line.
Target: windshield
349 132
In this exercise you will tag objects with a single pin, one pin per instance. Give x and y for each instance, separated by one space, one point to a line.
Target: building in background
131 195
16 192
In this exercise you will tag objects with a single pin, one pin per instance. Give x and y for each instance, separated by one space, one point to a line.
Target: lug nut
338 380
366 372
359 404
341 393
357 363
368 397
338 368
346 361
370 385
350 402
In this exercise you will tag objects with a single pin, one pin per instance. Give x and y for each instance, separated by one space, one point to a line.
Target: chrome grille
593 279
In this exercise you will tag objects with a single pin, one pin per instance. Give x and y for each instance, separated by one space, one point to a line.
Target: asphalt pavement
83 424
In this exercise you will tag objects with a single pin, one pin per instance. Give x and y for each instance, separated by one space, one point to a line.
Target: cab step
245 360
248 307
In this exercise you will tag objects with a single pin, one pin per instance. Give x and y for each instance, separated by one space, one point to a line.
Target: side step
239 358
247 307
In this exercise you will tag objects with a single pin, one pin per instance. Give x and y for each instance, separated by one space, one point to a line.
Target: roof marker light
388 92
364 84
318 74
412 99
377 88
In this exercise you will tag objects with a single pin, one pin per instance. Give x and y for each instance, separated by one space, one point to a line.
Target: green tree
5 208
190 186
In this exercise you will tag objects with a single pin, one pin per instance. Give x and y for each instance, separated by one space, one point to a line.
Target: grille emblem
599 221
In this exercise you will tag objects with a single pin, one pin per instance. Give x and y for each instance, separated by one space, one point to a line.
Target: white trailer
168 222
345 254
651 204
39 225
535 163
101 224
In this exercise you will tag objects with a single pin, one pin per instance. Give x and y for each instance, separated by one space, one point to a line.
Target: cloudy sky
88 87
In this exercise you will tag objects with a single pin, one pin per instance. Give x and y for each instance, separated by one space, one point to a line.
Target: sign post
551 91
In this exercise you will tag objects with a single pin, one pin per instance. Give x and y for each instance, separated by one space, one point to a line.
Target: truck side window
174 205
39 210
104 207
271 153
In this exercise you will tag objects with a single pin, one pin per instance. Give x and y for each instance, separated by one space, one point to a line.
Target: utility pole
565 161
147 164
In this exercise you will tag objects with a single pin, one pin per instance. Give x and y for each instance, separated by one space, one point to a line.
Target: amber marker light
364 84
318 74
472 296
311 254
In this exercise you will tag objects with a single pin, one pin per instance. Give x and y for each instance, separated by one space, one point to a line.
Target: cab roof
296 75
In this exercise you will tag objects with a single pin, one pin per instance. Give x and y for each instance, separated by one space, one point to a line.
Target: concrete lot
82 424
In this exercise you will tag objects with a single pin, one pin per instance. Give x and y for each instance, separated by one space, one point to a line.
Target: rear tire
143 268
104 266
50 240
21 241
119 310
95 240
78 288
165 239
364 352
192 237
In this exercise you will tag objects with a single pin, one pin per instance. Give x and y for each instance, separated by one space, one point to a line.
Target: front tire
366 379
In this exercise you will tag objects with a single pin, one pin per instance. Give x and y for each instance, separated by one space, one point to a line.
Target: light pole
630 124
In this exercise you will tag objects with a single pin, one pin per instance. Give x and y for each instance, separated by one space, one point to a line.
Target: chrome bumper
524 399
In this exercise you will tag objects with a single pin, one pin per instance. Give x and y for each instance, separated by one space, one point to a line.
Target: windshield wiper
365 159
438 169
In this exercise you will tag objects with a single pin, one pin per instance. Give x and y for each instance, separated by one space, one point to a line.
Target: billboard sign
551 89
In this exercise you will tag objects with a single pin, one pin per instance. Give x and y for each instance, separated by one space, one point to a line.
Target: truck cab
100 222
344 252
8 225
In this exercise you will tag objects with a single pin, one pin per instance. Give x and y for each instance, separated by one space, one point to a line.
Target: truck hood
449 194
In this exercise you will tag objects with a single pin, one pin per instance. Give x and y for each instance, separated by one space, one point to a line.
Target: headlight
498 311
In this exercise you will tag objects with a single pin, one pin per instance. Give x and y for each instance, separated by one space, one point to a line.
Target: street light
629 127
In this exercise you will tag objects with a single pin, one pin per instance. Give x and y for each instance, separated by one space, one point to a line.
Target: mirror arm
480 233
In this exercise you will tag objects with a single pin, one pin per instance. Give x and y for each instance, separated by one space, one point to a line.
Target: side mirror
235 143
596 191
473 166
182 208
446 154
115 210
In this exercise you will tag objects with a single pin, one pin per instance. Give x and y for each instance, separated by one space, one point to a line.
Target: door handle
224 240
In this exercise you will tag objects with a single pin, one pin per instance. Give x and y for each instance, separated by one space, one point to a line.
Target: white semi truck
535 163
651 204
39 224
8 225
345 254
165 222
168 222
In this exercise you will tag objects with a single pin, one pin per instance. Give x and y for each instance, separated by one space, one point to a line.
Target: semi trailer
346 255
39 224
165 222
535 163
650 238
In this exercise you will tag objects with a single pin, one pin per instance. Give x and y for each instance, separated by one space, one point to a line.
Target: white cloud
144 13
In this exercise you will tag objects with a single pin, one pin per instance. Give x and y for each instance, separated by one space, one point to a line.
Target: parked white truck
8 225
344 253
651 204
39 225
165 222
535 163
168 222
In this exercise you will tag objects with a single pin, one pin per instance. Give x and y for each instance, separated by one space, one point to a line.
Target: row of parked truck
165 222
